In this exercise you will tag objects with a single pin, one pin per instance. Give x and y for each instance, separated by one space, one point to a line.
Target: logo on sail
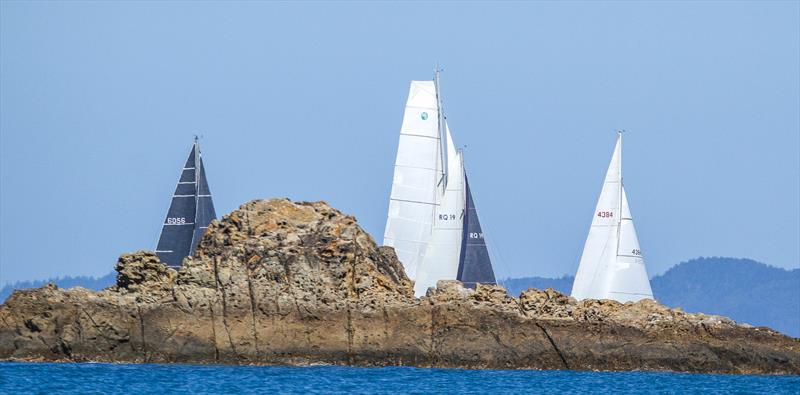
424 116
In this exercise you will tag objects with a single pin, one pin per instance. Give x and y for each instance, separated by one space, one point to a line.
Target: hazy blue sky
99 102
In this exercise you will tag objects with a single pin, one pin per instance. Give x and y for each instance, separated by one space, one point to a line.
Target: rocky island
279 282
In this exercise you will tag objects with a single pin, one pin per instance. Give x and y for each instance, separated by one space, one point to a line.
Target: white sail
611 265
442 255
417 171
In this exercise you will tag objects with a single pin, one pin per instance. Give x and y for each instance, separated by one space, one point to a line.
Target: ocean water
95 378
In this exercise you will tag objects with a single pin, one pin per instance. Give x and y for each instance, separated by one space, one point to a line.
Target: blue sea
46 378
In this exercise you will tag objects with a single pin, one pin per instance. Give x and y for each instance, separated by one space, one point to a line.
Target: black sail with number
475 266
189 214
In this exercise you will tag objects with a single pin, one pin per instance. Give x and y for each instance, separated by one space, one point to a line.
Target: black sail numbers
189 214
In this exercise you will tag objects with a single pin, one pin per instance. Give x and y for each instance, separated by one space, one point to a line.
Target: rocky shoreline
278 282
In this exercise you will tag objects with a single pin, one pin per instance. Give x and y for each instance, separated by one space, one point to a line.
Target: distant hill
95 283
742 289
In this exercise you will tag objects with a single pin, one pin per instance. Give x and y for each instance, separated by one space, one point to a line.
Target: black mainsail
475 266
189 214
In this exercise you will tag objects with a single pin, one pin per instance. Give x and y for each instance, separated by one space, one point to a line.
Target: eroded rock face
277 282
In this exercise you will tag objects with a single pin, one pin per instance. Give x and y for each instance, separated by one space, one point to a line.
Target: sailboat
189 213
612 266
432 220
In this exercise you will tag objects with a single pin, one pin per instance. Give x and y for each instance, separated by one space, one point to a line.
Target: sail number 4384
605 214
176 221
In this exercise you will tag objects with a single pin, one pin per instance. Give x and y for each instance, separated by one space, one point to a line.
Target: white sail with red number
611 265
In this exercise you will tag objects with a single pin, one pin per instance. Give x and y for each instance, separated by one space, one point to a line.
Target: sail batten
611 266
189 213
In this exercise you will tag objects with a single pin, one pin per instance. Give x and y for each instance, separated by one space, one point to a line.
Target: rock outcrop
277 282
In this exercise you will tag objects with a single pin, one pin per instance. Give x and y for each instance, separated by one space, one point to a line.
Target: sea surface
97 378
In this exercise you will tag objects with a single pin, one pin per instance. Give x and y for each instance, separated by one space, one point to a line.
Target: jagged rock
144 273
546 304
277 282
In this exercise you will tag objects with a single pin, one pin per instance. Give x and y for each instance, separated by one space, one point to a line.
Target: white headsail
611 265
417 172
442 256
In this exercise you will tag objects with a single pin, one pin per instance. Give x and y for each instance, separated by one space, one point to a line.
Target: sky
99 102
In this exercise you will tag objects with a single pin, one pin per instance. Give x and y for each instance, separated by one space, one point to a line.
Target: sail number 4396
605 214
176 221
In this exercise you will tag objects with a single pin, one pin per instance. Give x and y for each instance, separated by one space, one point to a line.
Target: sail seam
415 167
413 201
419 135
629 293
408 240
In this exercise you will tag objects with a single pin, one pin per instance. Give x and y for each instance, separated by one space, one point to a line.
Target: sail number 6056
176 221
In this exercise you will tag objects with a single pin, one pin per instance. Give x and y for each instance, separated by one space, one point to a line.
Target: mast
464 189
197 166
619 190
441 126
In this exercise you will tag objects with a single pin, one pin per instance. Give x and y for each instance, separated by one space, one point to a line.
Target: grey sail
189 214
474 266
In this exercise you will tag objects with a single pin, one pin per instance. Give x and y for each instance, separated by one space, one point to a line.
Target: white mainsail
443 253
417 172
611 265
